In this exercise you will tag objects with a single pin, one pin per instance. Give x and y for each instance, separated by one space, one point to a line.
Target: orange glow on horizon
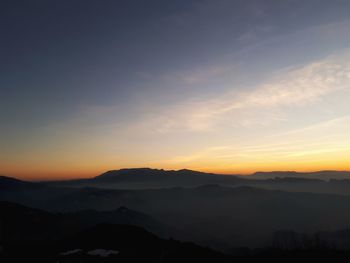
78 174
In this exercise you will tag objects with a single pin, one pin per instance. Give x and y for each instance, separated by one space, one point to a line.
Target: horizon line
48 179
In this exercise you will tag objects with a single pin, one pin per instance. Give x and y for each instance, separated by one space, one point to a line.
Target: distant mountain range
321 175
160 174
140 178
9 183
151 178
220 211
19 222
158 178
148 174
210 214
335 182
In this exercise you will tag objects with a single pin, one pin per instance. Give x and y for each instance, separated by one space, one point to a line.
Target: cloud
261 105
280 152
320 142
324 126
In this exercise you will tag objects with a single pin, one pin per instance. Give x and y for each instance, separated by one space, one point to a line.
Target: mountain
29 193
23 223
126 243
146 178
19 222
37 236
213 215
320 175
121 215
224 216
147 174
138 178
12 184
244 212
134 244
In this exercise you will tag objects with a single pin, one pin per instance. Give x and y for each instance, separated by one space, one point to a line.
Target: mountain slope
319 175
37 236
138 178
12 184
215 215
23 223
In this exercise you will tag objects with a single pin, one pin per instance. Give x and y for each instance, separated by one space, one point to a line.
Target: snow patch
102 252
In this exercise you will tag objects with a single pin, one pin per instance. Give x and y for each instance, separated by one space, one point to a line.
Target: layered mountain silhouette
213 215
152 178
187 177
34 235
12 184
22 223
220 211
148 174
333 182
319 175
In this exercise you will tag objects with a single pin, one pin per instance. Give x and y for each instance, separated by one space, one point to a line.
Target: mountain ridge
323 174
143 171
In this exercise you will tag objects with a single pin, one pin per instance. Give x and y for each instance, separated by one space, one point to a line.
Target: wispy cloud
260 105
317 143
328 124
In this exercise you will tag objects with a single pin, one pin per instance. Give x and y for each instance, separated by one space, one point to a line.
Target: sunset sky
219 86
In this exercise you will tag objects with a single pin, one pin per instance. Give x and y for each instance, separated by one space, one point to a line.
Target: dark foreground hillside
210 215
32 235
108 243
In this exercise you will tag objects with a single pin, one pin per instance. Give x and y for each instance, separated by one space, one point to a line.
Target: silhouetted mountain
18 222
320 175
212 215
134 244
140 174
209 213
12 184
22 223
37 236
29 193
146 178
31 235
273 174
122 215
138 178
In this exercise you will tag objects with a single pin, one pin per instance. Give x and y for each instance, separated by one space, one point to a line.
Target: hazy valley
219 211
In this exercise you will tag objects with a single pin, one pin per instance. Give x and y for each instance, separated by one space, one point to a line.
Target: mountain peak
188 171
144 171
160 177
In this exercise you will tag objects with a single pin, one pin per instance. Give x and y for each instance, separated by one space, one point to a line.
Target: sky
219 86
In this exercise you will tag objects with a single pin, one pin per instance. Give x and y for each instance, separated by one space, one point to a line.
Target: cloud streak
261 105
